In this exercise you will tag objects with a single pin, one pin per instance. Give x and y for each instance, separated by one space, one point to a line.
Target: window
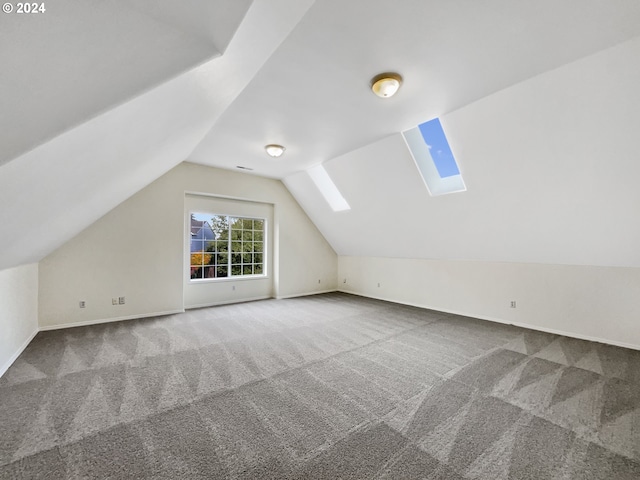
226 246
431 151
328 189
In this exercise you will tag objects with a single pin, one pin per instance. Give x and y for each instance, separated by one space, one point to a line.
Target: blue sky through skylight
434 137
431 152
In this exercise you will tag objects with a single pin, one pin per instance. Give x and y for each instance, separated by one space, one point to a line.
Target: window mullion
243 238
229 252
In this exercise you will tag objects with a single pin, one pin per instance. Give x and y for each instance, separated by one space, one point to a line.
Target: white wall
596 303
136 251
18 311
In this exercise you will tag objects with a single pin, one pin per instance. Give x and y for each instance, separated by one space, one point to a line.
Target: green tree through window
225 246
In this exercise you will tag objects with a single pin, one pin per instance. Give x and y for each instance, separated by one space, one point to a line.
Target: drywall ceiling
551 168
313 95
77 59
98 99
68 182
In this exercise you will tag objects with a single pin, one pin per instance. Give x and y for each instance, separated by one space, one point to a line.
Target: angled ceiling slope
551 169
78 59
313 95
70 181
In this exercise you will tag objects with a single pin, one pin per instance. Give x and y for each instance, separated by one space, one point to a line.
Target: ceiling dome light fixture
274 150
386 84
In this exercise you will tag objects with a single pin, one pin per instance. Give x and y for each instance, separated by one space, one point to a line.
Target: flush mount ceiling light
274 150
386 84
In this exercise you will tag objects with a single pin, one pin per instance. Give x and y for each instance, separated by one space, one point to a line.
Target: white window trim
435 184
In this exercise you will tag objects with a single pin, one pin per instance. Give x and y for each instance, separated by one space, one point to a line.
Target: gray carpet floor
327 386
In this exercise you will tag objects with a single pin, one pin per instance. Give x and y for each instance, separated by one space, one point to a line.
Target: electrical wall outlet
114 301
513 304
120 300
82 304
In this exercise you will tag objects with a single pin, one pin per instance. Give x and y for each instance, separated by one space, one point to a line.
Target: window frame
230 277
427 166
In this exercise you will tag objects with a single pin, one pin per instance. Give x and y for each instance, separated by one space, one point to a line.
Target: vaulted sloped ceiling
78 59
551 167
539 101
142 81
313 94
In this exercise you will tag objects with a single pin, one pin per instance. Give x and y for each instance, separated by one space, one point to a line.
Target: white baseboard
84 323
17 353
307 294
227 302
505 322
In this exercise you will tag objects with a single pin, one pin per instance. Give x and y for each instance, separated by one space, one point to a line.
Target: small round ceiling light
386 84
274 150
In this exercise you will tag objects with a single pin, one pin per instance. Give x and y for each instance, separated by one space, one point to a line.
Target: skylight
328 189
430 150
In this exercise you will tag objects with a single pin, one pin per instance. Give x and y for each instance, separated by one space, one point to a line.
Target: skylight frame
328 188
420 150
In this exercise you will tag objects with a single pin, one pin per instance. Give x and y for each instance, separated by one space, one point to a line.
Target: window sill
240 278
